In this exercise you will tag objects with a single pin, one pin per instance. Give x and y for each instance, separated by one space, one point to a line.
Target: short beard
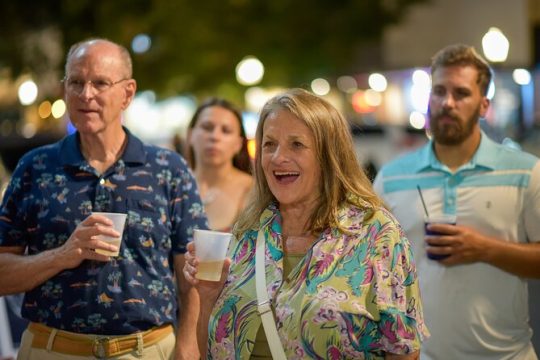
455 133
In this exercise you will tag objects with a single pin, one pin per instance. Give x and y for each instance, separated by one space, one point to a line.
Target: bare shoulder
243 180
244 185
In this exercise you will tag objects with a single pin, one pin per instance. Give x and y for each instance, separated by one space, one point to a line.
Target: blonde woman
339 271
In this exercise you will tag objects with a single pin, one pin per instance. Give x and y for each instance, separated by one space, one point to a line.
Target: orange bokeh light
359 103
252 148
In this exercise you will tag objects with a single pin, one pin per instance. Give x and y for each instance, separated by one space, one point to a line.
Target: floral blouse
351 297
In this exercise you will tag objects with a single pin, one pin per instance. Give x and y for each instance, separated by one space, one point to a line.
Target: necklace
210 196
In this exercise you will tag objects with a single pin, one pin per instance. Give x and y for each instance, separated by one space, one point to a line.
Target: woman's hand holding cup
208 290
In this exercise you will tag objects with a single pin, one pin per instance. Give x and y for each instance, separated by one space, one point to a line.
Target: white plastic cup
119 221
438 219
211 249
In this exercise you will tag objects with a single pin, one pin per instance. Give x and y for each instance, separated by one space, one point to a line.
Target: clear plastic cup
438 219
119 221
211 249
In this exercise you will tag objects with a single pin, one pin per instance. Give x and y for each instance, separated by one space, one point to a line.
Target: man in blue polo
475 297
82 304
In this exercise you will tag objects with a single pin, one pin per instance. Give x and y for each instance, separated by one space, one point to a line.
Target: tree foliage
197 44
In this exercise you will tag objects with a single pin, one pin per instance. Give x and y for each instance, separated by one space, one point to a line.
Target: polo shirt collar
71 155
483 157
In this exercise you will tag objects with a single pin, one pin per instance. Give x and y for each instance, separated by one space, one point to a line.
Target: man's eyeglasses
76 86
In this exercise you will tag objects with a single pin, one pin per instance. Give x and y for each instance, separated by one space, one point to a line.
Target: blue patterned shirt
54 188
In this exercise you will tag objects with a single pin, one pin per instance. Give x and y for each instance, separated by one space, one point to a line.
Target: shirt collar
71 155
271 216
481 158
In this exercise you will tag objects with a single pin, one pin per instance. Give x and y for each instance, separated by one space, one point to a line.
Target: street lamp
495 45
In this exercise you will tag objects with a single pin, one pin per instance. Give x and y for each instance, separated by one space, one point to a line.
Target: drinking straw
423 202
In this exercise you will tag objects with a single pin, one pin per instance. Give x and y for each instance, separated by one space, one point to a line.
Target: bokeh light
420 89
359 103
377 82
28 92
491 90
28 130
320 87
521 76
495 45
347 84
252 148
372 97
417 120
141 43
249 71
58 108
44 109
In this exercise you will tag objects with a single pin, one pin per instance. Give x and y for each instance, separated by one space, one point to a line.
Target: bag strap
263 307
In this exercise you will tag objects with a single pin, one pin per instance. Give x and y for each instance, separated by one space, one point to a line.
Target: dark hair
241 160
464 55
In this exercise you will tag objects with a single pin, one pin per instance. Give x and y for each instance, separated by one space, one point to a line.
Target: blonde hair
342 181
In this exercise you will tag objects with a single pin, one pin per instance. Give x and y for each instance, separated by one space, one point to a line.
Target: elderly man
80 302
472 274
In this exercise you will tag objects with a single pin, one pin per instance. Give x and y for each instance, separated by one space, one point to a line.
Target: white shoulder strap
264 308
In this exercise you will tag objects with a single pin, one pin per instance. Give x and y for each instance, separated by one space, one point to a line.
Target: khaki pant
162 350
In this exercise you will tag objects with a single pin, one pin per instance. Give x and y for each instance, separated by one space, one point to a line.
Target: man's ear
484 106
130 89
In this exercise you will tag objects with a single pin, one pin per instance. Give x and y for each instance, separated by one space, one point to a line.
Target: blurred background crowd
367 57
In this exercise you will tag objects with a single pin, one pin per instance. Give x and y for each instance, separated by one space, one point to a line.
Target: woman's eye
207 127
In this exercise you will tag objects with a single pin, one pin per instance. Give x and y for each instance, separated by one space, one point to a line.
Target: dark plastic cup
438 219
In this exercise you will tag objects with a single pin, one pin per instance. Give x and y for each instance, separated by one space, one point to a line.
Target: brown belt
101 347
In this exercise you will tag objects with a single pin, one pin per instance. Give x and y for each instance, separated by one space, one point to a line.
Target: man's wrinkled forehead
83 49
80 51
98 54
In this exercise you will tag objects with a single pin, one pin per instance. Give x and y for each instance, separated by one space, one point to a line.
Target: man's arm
21 273
466 245
188 303
519 259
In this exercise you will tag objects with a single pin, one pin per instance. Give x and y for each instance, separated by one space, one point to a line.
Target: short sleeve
187 209
12 211
401 326
531 211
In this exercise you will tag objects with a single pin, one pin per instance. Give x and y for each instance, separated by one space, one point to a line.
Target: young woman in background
217 153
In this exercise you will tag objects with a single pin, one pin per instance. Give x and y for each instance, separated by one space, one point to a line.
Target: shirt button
102 181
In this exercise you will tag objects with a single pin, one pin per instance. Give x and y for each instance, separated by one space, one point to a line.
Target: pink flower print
222 326
402 330
326 314
334 353
323 265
